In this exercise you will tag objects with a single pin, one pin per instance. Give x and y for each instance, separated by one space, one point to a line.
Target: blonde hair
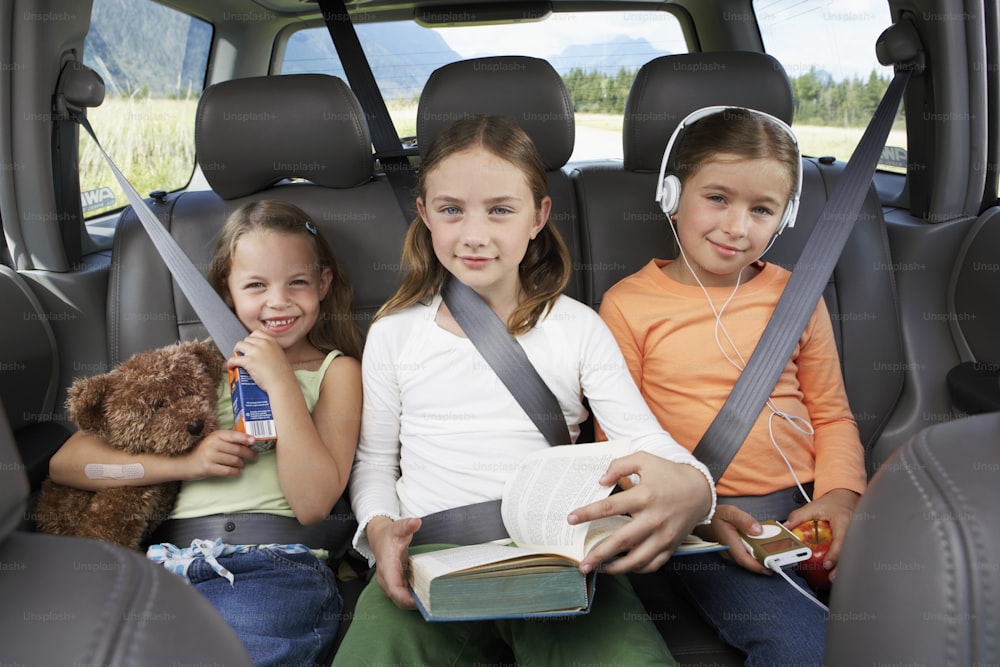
334 328
545 269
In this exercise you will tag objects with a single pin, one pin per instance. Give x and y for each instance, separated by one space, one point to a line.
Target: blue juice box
252 410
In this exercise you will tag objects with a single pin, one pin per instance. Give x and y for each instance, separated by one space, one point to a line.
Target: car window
828 50
153 60
597 54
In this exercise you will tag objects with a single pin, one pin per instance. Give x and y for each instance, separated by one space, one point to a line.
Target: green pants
617 631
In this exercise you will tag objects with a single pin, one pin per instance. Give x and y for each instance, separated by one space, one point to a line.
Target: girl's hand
837 507
261 356
725 529
669 500
219 454
390 542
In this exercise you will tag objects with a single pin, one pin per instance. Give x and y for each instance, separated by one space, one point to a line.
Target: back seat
300 138
255 135
531 93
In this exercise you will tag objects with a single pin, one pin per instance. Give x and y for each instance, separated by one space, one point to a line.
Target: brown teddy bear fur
161 401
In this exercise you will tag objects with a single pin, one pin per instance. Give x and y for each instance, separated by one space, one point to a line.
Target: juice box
252 410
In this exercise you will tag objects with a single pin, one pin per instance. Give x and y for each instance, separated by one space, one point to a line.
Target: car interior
913 295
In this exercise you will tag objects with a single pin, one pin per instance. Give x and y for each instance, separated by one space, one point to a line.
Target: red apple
816 535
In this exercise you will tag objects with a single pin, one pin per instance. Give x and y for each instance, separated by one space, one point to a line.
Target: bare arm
315 454
314 451
86 461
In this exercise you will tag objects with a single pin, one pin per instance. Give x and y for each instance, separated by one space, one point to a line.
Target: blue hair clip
312 230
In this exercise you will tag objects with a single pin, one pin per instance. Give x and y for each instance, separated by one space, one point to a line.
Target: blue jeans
763 616
284 607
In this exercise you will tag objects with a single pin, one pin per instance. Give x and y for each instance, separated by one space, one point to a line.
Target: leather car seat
918 582
76 601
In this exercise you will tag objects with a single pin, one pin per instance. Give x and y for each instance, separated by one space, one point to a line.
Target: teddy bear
161 401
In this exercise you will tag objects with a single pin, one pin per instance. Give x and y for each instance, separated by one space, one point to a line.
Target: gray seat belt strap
482 522
469 524
810 275
223 326
507 359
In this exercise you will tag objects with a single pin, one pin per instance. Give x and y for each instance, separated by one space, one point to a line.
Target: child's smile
275 285
729 210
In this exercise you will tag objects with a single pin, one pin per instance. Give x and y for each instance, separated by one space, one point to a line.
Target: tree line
819 100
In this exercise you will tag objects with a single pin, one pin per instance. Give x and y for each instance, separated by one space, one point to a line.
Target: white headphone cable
812 598
798 423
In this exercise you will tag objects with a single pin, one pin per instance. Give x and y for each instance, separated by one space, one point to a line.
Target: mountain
116 47
402 56
621 52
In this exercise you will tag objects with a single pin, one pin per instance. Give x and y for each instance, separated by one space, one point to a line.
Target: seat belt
507 359
798 300
223 326
482 522
388 149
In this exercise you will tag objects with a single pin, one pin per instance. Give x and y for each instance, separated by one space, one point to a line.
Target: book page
693 544
447 561
548 485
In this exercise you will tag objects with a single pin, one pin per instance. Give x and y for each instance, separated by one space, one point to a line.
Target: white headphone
668 187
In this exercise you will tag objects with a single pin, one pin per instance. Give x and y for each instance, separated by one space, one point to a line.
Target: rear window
596 53
828 50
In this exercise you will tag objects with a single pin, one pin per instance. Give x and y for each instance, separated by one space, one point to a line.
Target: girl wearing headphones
729 184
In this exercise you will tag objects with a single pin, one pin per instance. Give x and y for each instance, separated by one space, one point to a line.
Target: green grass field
152 141
815 140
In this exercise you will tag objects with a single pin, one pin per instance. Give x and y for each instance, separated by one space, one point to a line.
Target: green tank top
256 489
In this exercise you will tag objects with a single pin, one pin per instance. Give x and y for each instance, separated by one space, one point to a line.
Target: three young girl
281 278
439 431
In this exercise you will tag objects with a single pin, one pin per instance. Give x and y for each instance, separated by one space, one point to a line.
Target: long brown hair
545 269
334 328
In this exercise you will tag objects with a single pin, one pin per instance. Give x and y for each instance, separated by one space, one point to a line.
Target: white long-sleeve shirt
440 430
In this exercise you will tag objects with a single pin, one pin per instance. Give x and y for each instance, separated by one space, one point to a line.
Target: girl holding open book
440 431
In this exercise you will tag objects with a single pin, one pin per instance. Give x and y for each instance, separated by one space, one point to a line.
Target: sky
836 37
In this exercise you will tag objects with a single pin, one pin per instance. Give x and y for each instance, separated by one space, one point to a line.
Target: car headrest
13 480
251 133
526 90
669 88
919 575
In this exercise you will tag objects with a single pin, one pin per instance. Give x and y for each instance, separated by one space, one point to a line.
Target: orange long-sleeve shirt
667 333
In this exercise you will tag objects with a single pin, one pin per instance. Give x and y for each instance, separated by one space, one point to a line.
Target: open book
537 572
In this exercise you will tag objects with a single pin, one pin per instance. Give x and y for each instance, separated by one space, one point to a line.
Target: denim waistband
333 534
